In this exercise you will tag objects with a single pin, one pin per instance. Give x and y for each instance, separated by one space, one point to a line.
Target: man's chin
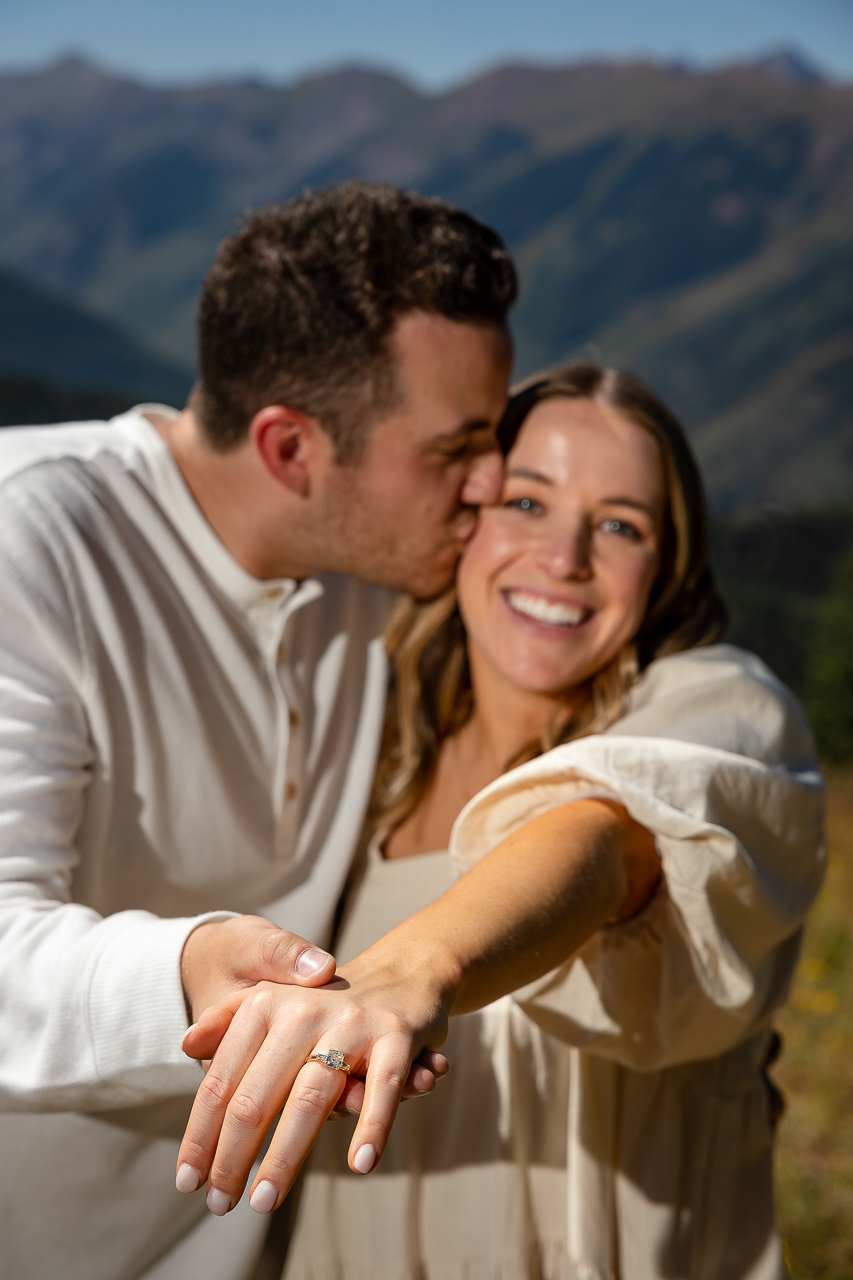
427 583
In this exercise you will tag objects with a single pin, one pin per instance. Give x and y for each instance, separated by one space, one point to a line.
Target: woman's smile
547 611
557 577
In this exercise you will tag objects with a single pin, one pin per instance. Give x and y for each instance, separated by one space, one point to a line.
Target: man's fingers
434 1062
222 956
421 1081
312 1098
203 1038
276 955
285 957
427 1069
350 1101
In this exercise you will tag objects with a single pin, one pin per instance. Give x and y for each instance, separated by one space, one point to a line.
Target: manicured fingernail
187 1032
187 1179
365 1158
218 1202
264 1197
311 962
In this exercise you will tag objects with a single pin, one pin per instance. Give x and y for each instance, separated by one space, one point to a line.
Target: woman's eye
523 504
621 527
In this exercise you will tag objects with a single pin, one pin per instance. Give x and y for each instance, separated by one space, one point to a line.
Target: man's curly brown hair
300 304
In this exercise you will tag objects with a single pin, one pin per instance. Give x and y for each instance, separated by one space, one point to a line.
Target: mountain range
695 227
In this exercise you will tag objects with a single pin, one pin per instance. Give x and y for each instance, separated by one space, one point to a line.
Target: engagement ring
332 1058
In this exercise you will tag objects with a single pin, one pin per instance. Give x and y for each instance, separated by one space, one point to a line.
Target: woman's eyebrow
630 502
526 474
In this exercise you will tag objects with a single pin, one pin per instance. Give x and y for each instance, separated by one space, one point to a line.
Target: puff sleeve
715 758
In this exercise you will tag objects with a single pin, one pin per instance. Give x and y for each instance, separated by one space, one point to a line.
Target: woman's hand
519 912
382 1010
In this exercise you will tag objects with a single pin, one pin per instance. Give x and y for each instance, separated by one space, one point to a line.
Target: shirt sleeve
706 962
91 1007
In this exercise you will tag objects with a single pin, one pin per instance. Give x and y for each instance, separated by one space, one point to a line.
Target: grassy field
815 1153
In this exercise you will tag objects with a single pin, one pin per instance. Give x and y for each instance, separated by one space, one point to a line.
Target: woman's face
556 578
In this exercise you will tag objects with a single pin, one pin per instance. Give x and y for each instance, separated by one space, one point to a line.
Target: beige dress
610 1121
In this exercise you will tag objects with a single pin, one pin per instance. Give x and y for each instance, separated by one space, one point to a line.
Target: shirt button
290 791
273 593
294 718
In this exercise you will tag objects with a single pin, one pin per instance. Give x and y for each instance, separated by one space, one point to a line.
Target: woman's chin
544 679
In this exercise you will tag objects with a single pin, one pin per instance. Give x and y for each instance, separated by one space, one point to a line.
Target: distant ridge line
786 63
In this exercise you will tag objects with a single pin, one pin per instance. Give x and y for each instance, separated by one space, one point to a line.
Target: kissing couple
358 721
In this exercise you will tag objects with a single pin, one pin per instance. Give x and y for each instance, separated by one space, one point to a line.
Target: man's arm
518 913
92 1006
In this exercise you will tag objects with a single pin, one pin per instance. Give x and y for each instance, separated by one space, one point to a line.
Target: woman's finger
251 1112
427 1069
387 1073
247 1033
312 1098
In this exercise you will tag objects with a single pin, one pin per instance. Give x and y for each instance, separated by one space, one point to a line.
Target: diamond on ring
333 1058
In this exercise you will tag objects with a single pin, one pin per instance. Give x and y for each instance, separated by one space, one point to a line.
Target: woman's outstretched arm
519 912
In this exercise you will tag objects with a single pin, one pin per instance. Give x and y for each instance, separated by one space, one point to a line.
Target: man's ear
286 441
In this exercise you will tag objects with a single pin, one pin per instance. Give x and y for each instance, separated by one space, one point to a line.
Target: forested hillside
47 340
695 227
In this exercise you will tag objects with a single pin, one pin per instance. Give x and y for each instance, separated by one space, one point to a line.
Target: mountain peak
787 64
74 70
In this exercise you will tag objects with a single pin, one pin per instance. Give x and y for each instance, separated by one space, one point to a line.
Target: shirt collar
256 596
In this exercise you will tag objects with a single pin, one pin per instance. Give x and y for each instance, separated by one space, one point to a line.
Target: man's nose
485 480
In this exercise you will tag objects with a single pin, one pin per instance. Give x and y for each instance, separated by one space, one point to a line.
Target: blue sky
435 43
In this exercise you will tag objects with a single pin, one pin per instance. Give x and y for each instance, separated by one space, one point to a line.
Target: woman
609 1118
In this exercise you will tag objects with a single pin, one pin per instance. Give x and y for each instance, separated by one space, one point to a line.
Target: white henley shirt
178 741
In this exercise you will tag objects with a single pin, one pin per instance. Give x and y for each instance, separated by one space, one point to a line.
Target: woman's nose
567 555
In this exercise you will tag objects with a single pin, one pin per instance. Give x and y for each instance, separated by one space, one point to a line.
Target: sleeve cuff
136 1011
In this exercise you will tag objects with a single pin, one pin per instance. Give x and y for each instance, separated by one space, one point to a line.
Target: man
192 684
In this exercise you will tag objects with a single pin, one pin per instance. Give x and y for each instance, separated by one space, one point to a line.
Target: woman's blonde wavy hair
430 695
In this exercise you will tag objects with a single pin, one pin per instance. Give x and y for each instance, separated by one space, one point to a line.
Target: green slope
760 363
43 338
28 402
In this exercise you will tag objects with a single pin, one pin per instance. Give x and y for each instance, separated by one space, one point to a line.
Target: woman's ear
285 440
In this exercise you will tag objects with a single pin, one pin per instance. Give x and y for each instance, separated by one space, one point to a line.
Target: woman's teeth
551 612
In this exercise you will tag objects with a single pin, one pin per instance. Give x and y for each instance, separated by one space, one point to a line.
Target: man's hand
380 1011
427 1069
222 961
225 957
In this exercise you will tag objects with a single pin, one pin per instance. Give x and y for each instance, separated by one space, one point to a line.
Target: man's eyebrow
467 428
